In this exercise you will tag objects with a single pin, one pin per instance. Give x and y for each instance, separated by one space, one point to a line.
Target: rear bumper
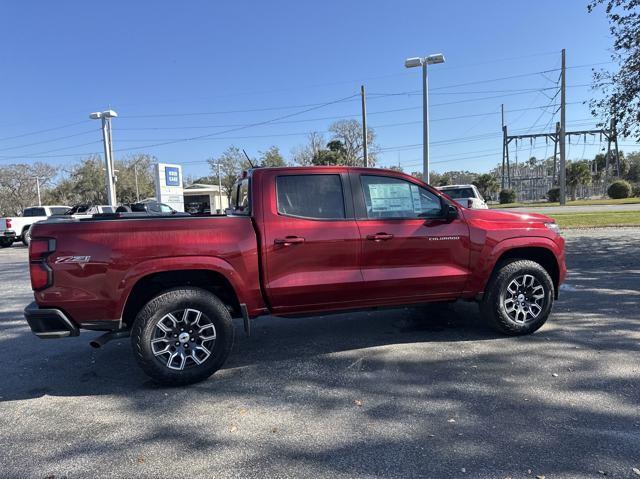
49 323
9 234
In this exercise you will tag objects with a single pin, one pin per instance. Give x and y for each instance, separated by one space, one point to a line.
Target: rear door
311 241
409 251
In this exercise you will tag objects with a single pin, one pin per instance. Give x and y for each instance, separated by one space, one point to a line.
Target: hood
502 216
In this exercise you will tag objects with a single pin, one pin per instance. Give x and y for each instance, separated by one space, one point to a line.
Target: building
201 198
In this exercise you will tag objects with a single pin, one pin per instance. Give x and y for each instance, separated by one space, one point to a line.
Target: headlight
553 227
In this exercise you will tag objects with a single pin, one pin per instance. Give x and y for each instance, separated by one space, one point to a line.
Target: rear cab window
240 198
34 212
311 196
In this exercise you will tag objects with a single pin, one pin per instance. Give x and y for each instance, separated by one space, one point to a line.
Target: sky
188 79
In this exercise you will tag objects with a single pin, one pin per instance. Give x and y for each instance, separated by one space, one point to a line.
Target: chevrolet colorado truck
296 241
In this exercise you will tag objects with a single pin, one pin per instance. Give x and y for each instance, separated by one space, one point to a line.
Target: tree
507 196
619 189
397 168
333 155
487 184
18 187
304 155
232 161
129 169
633 173
620 89
272 158
577 173
349 133
85 183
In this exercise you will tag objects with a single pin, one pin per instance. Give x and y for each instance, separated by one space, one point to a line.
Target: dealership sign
169 185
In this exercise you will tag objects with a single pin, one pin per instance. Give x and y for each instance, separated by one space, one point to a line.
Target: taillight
41 273
7 223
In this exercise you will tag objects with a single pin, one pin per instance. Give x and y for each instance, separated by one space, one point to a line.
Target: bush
507 196
619 189
553 195
635 190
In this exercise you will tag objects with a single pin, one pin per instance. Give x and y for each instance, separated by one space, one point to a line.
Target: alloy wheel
183 339
524 298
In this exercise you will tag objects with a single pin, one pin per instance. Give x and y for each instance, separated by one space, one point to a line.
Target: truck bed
97 261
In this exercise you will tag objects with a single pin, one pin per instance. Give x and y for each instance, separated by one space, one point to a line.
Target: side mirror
450 212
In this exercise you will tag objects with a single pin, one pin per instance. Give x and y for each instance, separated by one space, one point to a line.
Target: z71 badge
73 259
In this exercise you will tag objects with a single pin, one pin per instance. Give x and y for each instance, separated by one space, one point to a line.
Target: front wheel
26 236
182 336
518 298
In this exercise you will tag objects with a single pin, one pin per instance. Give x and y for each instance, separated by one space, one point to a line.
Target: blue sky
176 70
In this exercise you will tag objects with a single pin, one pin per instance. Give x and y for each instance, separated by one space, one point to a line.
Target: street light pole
106 116
425 124
423 62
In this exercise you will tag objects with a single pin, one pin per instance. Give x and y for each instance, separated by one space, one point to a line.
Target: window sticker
390 197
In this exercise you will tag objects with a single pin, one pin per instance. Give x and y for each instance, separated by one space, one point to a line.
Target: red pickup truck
295 241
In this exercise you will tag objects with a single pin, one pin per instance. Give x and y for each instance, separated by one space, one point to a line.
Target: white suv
467 195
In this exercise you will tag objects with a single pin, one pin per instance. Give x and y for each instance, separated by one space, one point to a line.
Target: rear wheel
182 336
518 298
6 242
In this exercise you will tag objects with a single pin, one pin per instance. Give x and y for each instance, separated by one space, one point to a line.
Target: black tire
26 236
6 242
505 317
161 368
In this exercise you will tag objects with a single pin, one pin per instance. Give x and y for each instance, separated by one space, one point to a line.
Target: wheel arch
542 255
150 285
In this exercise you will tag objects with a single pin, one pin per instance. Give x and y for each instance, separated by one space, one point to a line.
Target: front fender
485 259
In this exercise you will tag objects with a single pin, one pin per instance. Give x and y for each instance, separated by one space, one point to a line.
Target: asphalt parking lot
413 392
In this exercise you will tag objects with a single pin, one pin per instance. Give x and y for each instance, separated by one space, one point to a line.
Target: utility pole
504 145
135 173
563 106
555 153
364 126
38 189
614 132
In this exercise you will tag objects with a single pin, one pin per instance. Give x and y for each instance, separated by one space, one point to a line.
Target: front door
409 251
312 242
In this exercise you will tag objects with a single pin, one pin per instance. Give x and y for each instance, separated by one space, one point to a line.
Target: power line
93 130
44 131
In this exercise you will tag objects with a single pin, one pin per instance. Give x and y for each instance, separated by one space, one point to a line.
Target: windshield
457 193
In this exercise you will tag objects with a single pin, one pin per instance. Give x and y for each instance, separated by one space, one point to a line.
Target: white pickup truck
16 228
466 195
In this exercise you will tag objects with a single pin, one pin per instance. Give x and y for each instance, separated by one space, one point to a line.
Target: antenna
248 159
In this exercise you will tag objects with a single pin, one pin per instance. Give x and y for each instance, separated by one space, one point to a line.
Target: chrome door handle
380 237
288 240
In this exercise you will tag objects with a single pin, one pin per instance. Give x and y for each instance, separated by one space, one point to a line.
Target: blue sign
172 176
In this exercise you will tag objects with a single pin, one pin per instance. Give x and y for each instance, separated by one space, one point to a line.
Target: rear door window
311 196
